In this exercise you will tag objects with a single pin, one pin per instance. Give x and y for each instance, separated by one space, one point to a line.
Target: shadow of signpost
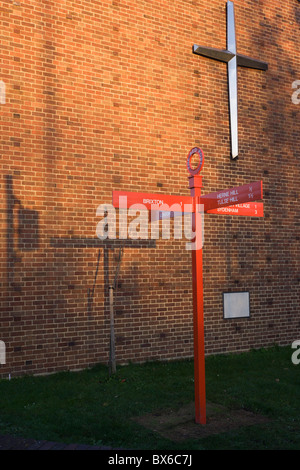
22 232
105 246
104 249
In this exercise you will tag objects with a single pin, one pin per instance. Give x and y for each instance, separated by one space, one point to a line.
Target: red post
195 184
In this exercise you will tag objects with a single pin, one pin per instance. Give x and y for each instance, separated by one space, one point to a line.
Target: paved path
18 443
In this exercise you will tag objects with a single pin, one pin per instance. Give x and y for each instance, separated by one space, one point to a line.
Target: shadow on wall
22 231
38 271
107 246
22 235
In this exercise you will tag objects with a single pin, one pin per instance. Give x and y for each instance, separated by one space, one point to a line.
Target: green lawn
88 407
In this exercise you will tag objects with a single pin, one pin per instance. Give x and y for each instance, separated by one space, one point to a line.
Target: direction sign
229 197
234 201
151 201
250 209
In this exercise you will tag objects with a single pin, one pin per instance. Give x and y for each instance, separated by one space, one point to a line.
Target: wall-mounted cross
233 60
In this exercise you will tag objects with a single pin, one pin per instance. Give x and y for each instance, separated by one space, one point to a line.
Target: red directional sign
250 209
230 197
239 200
150 201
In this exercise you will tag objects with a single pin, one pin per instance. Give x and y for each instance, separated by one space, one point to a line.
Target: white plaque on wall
236 304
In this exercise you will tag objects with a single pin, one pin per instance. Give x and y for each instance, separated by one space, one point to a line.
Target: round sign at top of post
196 151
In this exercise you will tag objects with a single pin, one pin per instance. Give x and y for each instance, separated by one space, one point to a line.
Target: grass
88 407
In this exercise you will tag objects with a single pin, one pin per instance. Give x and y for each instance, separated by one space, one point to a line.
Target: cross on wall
233 60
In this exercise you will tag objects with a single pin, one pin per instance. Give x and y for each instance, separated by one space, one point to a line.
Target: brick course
104 95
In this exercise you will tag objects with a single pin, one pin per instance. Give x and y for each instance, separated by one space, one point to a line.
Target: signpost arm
195 183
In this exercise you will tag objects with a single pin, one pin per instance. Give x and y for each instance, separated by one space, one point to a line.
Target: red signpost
234 201
195 185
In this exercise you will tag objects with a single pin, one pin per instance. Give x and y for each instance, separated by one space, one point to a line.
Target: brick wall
104 95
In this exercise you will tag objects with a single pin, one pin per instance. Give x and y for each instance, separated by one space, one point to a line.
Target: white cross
233 60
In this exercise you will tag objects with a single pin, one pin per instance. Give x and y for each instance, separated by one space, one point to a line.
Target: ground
175 425
180 425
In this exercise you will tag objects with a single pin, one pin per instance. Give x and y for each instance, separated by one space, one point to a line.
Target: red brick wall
104 95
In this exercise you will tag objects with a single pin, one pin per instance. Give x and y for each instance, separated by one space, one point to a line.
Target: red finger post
195 184
239 200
